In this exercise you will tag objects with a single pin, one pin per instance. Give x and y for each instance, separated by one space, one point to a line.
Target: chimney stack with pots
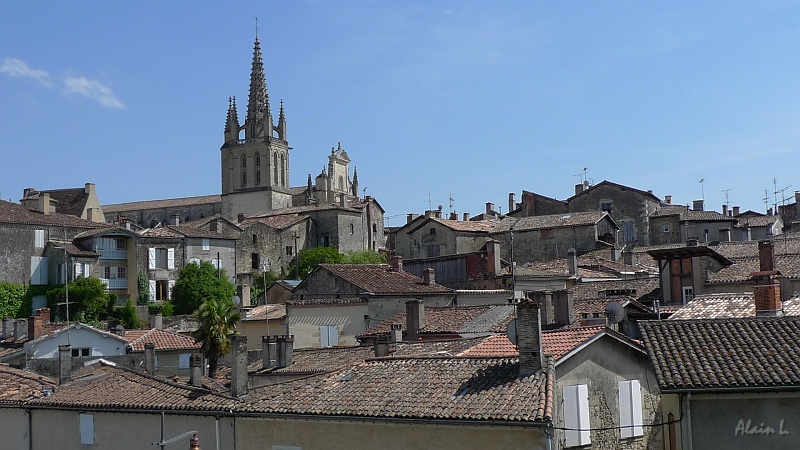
668 199
767 288
697 205
396 333
415 319
285 350
382 345
735 211
489 209
545 301
465 217
396 263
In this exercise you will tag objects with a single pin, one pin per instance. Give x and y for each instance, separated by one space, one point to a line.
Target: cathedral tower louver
255 155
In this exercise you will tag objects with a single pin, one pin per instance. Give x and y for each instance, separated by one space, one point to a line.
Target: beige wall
255 433
14 428
304 323
255 329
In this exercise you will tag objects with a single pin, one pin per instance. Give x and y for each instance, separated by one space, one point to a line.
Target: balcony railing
113 254
115 283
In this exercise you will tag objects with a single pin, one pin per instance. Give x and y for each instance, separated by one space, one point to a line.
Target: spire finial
256 28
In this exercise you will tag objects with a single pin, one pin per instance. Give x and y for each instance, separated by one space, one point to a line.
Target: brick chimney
382 345
529 338
195 370
415 319
64 363
767 284
239 375
766 256
454 216
44 313
396 263
34 327
150 358
429 276
240 218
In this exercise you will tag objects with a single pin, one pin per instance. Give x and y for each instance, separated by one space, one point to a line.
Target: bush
89 301
166 309
11 299
127 316
198 283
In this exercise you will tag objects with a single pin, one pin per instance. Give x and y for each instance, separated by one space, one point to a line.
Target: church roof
165 203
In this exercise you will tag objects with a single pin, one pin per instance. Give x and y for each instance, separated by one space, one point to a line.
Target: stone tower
255 155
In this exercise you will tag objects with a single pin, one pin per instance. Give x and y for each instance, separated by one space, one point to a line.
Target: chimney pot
512 202
735 211
668 199
725 210
396 334
396 263
466 217
429 276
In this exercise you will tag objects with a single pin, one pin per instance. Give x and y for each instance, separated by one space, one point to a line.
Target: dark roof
571 219
688 252
15 213
381 279
783 244
18 386
646 289
688 215
279 221
621 186
454 320
741 354
742 269
70 201
73 250
435 388
166 203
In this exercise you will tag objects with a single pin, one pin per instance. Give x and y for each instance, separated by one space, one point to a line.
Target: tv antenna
727 200
702 189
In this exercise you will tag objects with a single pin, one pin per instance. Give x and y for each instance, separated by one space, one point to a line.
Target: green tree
198 283
259 286
11 297
364 257
144 289
313 257
218 319
127 316
87 296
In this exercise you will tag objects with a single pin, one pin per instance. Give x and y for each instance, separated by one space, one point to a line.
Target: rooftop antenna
582 175
727 200
783 197
702 190
766 200
451 203
430 207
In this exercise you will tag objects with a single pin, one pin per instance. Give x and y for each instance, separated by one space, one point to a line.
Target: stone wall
626 204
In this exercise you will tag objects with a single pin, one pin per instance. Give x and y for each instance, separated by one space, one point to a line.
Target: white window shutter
151 258
152 290
87 429
39 238
78 269
630 409
206 244
170 258
170 285
576 415
323 336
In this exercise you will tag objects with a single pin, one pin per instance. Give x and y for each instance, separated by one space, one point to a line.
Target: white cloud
92 89
17 68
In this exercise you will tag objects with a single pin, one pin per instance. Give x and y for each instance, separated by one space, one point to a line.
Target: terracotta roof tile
279 221
718 306
740 270
15 213
645 289
18 386
327 301
556 343
454 320
724 354
263 312
381 279
163 340
471 226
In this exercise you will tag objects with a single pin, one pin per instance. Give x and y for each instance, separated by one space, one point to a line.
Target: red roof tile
382 279
163 340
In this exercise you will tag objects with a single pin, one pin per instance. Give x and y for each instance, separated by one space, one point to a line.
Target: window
161 258
206 245
666 228
374 228
87 429
39 270
257 158
120 243
255 261
122 272
275 168
217 263
38 239
630 409
244 171
81 352
60 274
606 206
352 228
283 172
576 415
162 290
328 335
289 250
194 261
255 239
432 231
183 360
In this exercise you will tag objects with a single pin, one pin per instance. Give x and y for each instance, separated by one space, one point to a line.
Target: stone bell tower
255 155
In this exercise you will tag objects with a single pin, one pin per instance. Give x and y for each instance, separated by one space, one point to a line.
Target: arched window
275 169
244 170
257 159
283 172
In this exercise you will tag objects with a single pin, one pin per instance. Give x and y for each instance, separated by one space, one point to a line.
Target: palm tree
218 319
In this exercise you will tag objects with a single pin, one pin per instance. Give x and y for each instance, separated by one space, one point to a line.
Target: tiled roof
646 288
740 270
574 219
719 306
382 279
689 215
264 312
192 231
556 343
15 213
166 203
782 245
454 320
163 339
304 209
119 388
421 388
73 249
70 201
622 187
724 354
17 386
160 232
327 301
598 306
470 226
279 222
757 221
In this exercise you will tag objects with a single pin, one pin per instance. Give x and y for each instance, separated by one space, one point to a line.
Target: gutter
732 390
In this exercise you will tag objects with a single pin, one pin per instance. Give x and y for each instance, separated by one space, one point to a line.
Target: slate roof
434 388
14 213
118 388
454 320
573 219
71 201
381 279
264 312
688 215
729 305
740 354
166 203
279 222
163 340
18 386
740 270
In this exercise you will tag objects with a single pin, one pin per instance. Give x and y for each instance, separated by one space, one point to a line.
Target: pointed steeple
355 182
282 123
232 121
259 118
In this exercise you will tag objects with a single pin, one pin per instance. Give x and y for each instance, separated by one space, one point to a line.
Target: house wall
657 234
150 217
600 366
17 246
59 430
143 263
14 427
225 247
627 204
355 435
253 201
538 205
270 244
545 245
698 229
304 322
101 344
254 330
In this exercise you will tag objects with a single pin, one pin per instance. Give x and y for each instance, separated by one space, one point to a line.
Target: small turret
282 124
232 121
355 182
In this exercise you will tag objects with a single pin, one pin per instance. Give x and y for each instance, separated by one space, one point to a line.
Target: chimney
285 350
493 258
489 208
240 218
563 307
396 263
20 329
429 276
382 345
150 358
64 363
546 310
44 313
465 217
725 210
627 256
44 203
767 294
34 327
195 370
454 216
8 324
239 375
572 262
578 188
512 202
668 199
157 321
725 234
529 338
411 216
766 256
396 333
268 352
194 443
438 213
415 319
176 219
735 211
697 205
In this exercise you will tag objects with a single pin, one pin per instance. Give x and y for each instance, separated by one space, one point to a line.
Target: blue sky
427 97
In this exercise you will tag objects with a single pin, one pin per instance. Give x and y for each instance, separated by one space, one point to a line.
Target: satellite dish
237 300
511 331
615 312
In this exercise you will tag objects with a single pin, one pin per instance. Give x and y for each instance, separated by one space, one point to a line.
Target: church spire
355 182
282 123
259 118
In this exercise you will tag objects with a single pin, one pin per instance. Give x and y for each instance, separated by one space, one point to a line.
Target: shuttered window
630 409
328 335
576 415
